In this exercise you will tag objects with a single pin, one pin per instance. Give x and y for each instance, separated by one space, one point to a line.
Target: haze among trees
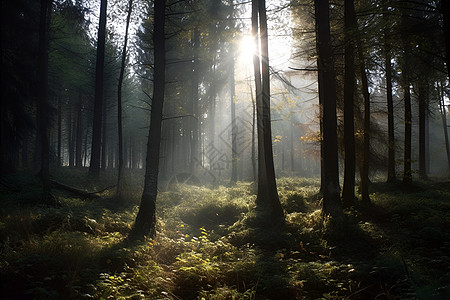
225 149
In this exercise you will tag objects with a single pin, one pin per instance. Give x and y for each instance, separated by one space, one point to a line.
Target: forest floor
207 247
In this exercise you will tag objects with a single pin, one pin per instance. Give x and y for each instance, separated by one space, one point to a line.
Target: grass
396 248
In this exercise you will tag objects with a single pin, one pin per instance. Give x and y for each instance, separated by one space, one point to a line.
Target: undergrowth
207 248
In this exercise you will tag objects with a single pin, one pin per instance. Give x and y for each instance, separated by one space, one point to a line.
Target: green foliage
207 247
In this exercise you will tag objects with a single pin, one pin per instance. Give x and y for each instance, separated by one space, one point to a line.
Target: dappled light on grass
208 247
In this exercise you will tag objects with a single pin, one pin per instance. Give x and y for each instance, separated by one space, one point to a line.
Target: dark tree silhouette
146 219
94 167
119 104
348 190
327 88
267 200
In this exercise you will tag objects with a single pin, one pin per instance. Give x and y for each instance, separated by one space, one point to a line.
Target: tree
348 191
391 176
42 106
267 200
119 104
146 218
327 90
94 167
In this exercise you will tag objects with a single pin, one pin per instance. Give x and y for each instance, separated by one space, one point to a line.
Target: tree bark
78 133
42 105
94 168
444 124
423 111
146 218
364 185
331 205
234 129
391 176
267 200
407 175
119 104
348 191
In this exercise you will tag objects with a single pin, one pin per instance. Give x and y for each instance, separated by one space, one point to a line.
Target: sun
246 47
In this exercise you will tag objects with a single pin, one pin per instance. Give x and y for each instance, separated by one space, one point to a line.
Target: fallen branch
84 194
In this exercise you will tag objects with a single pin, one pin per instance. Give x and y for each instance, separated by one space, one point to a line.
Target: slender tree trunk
291 127
407 175
444 124
58 151
146 219
254 162
94 168
423 111
348 191
70 138
195 157
234 129
445 6
42 107
327 92
391 176
119 104
104 139
78 133
267 200
364 185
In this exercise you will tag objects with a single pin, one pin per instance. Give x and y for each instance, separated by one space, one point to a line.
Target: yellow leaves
278 139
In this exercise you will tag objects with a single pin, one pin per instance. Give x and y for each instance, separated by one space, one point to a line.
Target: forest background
262 117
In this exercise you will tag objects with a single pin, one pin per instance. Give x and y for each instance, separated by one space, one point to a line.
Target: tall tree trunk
445 6
364 184
407 175
78 133
94 168
391 176
267 200
348 191
423 111
254 162
195 157
70 138
42 105
331 204
146 219
104 139
444 124
234 129
58 151
119 104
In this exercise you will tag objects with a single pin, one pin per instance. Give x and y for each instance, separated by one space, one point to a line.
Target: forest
225 149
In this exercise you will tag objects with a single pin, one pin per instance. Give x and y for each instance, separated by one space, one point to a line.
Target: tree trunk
423 111
119 104
78 133
234 129
444 124
407 175
94 168
327 88
267 200
195 157
146 219
58 151
348 191
104 139
391 176
445 11
70 138
364 185
42 105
